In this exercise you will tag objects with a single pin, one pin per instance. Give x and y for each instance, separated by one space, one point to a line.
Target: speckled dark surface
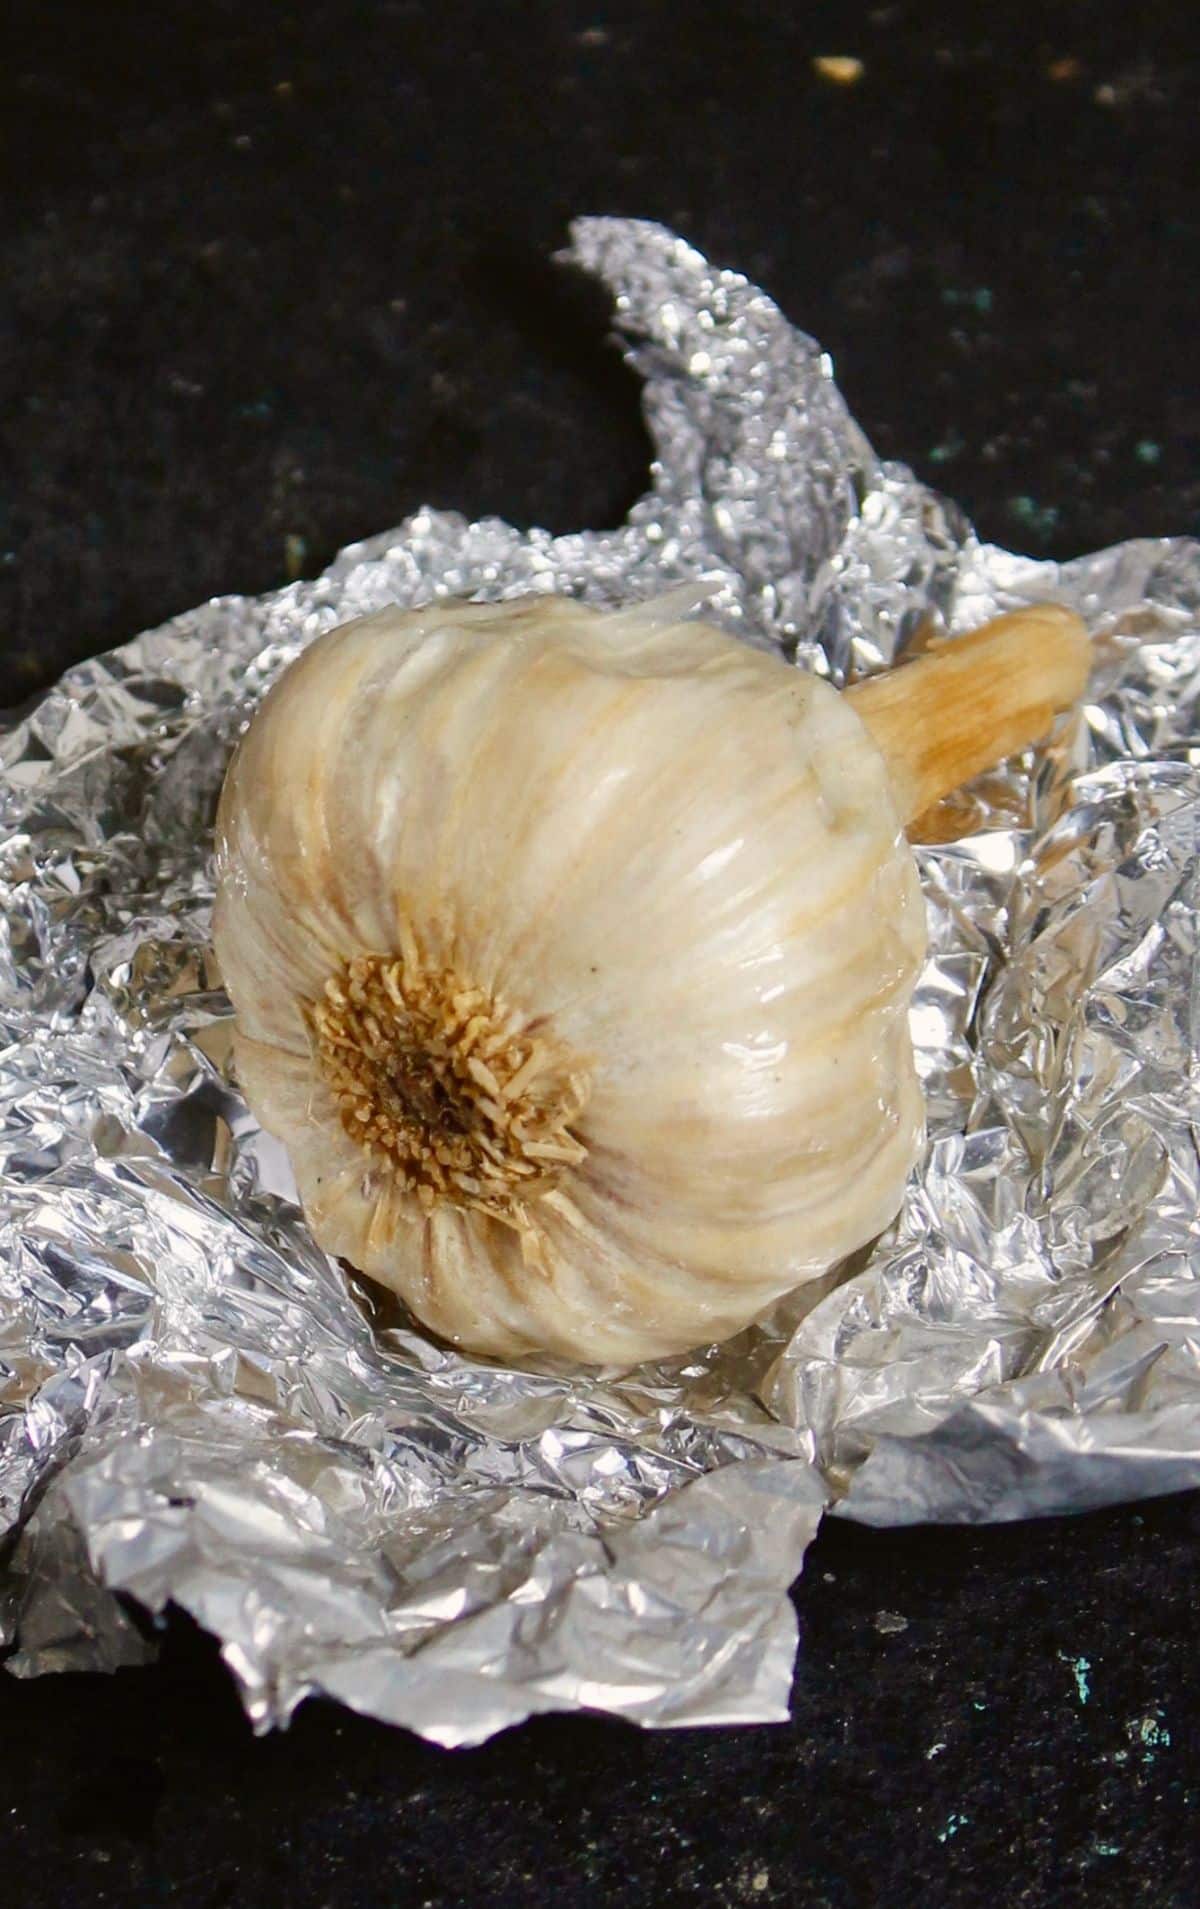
272 276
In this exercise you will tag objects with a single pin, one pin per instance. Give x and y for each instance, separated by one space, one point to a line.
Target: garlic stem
973 701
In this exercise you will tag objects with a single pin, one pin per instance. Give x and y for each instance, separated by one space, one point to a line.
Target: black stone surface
270 277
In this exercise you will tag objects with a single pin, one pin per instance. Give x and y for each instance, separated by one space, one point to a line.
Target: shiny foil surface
197 1406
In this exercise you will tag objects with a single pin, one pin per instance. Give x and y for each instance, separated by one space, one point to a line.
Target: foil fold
197 1407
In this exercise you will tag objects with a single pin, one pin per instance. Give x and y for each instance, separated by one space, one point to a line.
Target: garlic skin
571 956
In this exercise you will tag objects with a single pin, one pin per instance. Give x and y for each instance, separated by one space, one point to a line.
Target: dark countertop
272 276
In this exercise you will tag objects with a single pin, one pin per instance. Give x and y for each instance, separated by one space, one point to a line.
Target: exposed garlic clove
571 957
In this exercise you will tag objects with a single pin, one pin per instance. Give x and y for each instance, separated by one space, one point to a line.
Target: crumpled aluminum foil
197 1406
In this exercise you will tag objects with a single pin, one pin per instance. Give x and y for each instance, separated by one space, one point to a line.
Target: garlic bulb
571 956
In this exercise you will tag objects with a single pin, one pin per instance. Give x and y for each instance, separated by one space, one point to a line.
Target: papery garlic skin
672 861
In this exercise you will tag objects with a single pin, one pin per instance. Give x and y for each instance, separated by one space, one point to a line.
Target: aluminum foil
197 1406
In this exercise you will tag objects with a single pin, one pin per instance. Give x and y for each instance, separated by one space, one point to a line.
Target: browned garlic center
443 1083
